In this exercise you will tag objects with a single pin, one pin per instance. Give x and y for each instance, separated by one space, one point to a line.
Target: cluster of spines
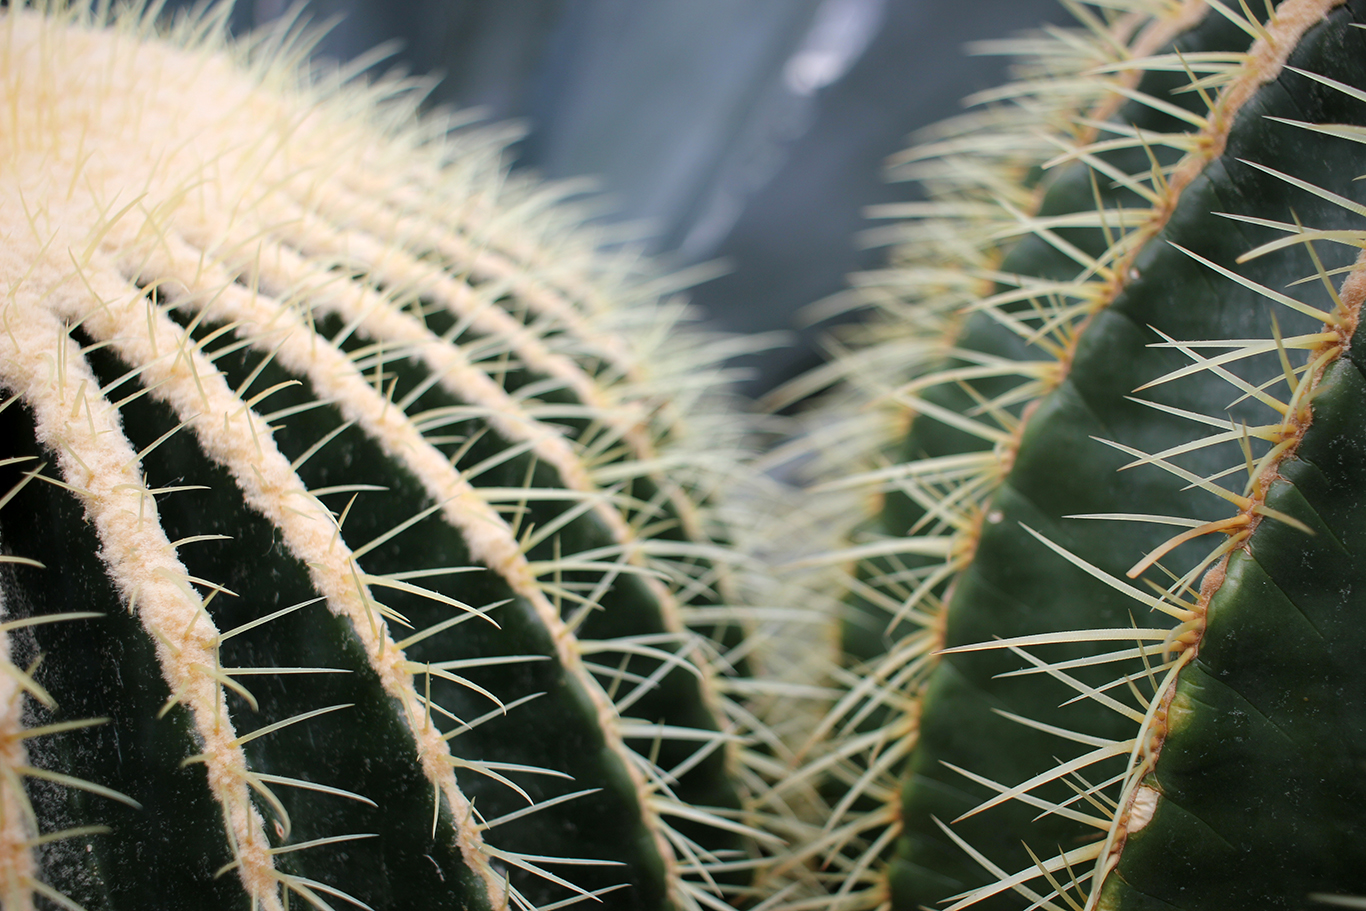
247 253
1126 803
947 266
983 201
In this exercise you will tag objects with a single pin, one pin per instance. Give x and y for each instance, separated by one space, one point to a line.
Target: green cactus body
1126 717
354 537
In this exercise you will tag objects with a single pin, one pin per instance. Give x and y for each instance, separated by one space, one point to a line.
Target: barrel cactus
360 534
1102 628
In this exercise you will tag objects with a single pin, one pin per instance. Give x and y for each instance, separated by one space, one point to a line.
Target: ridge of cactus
363 528
1055 695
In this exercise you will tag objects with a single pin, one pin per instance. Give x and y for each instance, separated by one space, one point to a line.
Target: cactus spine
360 538
1122 328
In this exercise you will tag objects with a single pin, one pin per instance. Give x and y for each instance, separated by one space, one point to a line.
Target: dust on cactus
360 527
1102 623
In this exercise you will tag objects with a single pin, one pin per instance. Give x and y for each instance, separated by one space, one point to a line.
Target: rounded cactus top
360 539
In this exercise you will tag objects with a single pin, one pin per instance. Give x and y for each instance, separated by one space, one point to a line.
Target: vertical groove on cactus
398 485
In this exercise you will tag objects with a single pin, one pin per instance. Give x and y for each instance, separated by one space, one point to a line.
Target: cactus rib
1048 357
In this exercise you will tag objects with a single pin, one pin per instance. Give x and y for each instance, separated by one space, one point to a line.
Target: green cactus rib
941 477
1257 772
1013 591
1025 777
350 558
1040 263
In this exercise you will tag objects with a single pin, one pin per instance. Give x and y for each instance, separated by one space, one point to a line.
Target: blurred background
751 133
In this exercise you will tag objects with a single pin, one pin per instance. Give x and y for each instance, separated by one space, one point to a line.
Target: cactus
1100 634
364 541
360 529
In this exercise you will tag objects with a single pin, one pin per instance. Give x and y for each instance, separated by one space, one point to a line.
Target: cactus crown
361 542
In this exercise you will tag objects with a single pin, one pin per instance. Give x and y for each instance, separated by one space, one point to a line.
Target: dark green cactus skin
1071 190
361 748
957 720
1260 778
167 851
1010 589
